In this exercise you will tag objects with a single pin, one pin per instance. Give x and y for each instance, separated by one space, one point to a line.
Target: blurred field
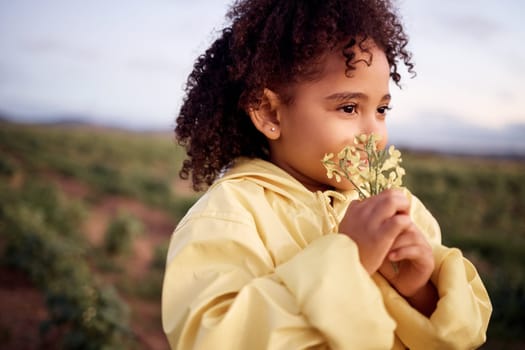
86 213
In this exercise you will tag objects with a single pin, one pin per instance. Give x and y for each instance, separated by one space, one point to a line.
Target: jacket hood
275 179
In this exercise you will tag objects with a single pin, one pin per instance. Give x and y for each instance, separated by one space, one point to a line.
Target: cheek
384 137
384 142
344 136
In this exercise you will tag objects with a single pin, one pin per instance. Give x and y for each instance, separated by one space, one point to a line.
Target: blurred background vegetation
86 214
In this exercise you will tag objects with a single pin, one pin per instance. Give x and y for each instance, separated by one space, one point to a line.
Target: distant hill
78 120
439 134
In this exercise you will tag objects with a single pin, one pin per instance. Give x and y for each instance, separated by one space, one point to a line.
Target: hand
374 223
415 262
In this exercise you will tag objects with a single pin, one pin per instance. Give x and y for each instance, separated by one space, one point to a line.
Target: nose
371 124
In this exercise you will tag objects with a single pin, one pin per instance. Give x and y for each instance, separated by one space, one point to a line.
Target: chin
344 185
344 188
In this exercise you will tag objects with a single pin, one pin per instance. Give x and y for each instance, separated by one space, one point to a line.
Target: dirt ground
23 307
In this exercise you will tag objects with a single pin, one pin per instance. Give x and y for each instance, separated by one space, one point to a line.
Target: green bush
90 315
110 162
7 167
159 257
120 233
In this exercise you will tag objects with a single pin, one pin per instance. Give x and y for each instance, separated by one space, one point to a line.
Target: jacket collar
277 180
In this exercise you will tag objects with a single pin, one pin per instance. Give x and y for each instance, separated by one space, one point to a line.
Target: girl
275 255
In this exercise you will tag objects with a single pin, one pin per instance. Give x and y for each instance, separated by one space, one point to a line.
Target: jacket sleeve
462 314
222 291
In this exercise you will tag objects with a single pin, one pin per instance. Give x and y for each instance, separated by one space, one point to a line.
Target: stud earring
272 129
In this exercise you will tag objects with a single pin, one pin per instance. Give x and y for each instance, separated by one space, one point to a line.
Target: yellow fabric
257 263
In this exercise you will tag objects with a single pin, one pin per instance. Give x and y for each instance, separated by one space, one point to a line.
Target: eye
350 109
383 109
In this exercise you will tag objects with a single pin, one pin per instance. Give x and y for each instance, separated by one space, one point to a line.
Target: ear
266 117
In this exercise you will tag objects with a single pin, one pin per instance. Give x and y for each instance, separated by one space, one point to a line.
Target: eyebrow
344 96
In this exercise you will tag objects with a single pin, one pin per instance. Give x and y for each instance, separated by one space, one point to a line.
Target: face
326 114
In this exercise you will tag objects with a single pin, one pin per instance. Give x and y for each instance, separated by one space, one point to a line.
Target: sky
125 62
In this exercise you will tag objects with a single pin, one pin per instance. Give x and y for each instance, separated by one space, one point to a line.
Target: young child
275 255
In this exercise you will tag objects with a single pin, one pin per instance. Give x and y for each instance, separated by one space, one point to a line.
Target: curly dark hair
271 44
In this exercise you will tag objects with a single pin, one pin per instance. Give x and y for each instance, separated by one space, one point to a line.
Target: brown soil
23 307
22 310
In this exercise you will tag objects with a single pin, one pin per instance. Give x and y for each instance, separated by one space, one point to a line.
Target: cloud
152 65
471 26
450 133
50 46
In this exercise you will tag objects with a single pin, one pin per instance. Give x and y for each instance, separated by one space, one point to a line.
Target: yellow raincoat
257 263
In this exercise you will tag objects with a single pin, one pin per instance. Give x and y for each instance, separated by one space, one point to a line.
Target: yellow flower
327 157
377 171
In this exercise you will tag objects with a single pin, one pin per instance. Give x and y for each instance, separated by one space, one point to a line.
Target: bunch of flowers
370 170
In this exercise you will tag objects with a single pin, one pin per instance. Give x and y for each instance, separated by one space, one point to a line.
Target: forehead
369 57
371 75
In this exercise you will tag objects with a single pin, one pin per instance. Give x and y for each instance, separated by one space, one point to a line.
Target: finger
411 252
383 205
410 236
396 225
392 202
